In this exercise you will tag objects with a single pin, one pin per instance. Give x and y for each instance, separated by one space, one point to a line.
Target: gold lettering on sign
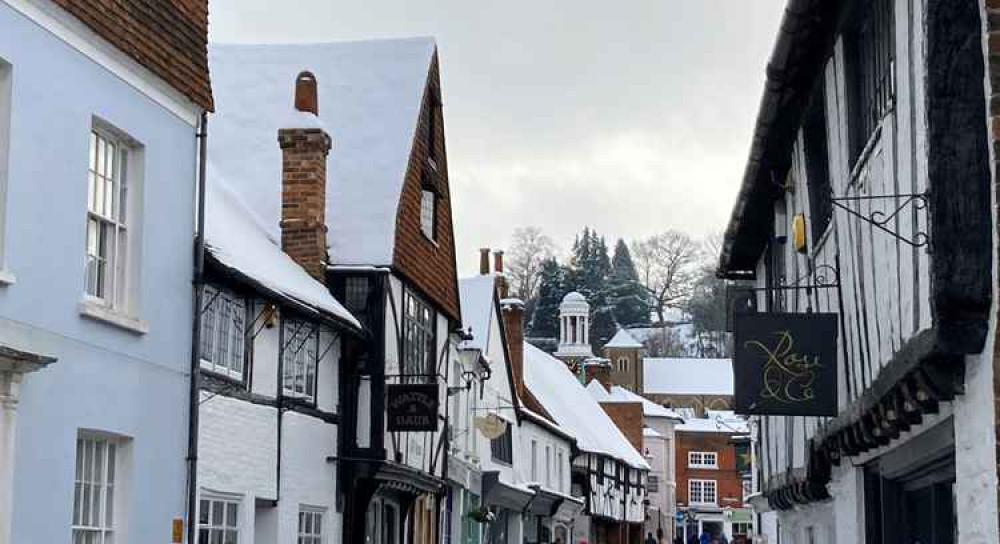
788 376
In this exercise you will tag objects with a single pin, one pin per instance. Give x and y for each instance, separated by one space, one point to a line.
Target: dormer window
428 211
429 194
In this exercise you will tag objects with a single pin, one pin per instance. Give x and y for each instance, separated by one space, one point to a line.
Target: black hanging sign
412 407
786 364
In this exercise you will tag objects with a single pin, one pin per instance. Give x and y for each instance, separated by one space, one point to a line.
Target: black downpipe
280 396
199 295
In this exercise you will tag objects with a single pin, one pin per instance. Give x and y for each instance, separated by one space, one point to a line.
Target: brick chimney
502 285
597 370
513 323
484 261
303 184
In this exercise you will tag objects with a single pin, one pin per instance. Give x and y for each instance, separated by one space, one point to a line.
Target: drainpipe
199 294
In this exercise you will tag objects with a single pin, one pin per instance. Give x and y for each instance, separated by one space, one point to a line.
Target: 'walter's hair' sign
412 407
786 364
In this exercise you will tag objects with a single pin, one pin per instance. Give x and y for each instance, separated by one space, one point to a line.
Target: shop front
506 503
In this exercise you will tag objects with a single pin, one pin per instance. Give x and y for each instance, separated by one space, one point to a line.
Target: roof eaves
805 40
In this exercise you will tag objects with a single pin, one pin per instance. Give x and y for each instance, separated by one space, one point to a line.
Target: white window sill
7 277
98 312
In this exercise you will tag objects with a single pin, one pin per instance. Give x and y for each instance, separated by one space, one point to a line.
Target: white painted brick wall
237 447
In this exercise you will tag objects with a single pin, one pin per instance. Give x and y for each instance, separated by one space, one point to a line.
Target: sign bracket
880 219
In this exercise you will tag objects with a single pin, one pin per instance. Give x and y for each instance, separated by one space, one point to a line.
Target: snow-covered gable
676 376
620 394
370 95
237 241
478 311
574 409
622 339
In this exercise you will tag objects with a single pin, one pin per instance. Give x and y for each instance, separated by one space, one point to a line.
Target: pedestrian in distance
649 538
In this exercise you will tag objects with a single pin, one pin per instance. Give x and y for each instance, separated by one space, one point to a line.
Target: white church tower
574 328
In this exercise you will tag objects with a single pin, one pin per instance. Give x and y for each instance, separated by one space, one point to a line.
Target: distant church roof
623 339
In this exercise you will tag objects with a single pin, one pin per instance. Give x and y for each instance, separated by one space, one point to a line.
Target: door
915 508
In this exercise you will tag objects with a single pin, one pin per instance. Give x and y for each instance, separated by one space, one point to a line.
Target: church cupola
574 327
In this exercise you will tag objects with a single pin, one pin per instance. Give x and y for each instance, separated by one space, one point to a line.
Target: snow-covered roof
476 294
566 400
676 376
622 339
717 424
650 432
620 394
370 95
236 240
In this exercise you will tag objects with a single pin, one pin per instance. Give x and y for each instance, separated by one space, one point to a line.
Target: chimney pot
498 261
306 93
484 261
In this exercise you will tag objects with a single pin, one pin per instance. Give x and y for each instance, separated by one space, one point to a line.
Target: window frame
108 486
502 447
6 109
307 532
703 485
221 303
208 526
871 63
534 460
816 154
428 213
419 326
699 459
305 335
114 288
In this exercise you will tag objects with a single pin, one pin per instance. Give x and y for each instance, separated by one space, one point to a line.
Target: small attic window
428 211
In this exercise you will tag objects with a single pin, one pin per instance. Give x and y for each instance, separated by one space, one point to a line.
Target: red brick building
712 468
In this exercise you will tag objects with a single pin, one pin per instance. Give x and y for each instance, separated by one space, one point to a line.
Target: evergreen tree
589 274
552 288
626 293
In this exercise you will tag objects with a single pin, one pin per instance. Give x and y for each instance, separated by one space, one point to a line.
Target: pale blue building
99 115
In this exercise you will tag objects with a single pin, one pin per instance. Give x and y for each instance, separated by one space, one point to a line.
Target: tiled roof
168 37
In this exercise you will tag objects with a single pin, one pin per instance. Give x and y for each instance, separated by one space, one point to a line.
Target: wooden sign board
412 407
785 364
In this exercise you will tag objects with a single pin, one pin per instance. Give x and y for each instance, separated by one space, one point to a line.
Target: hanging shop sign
491 425
412 407
786 364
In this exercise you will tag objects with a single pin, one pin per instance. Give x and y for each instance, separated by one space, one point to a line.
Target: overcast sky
631 117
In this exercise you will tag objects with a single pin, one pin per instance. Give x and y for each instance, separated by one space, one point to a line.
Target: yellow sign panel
177 533
799 232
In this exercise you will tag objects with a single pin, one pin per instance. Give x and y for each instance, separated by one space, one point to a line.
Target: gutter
199 294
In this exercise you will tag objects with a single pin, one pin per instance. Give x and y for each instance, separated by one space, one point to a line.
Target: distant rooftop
622 339
682 376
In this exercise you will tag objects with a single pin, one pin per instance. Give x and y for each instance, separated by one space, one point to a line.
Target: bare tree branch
667 265
529 248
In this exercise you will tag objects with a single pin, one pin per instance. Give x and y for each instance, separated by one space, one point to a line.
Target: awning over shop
406 479
544 503
496 492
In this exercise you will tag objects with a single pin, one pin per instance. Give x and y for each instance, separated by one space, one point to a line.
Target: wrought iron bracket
880 219
824 276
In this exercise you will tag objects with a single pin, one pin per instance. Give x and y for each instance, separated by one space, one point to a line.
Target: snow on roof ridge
569 403
623 339
688 375
421 38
